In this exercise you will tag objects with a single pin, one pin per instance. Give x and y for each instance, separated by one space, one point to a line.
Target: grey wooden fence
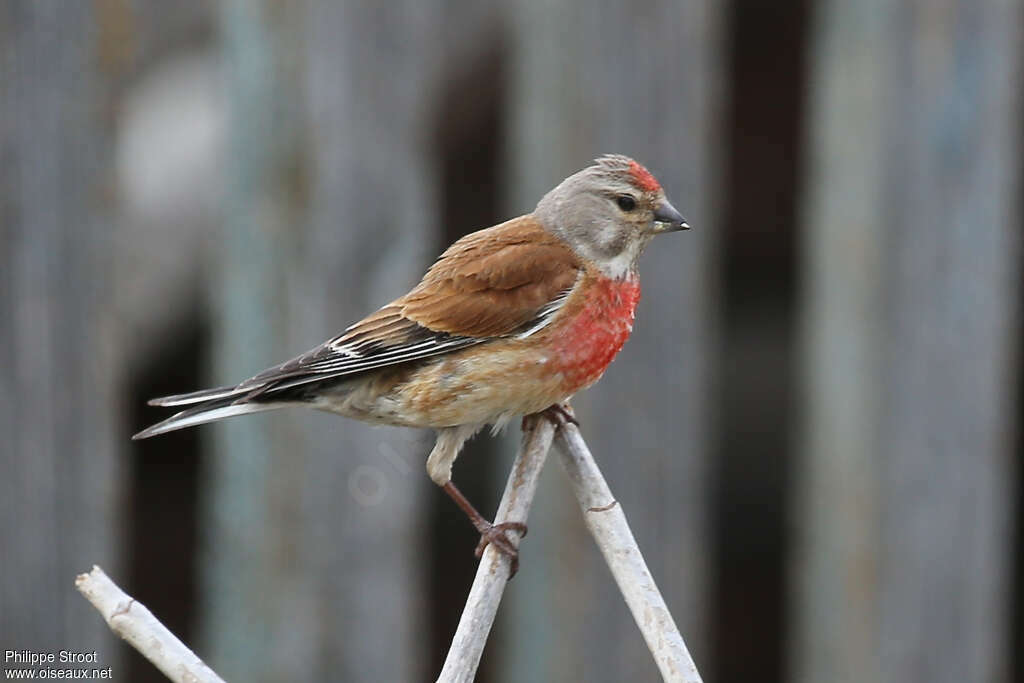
305 190
913 226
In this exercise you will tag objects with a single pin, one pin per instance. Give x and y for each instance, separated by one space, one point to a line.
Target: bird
512 320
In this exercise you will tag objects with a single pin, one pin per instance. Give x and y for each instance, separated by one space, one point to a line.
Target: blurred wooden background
814 430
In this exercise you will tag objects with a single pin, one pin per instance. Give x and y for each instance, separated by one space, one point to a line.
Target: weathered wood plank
641 80
912 224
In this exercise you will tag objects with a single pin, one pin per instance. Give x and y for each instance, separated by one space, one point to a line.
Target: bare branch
493 573
136 624
603 515
607 523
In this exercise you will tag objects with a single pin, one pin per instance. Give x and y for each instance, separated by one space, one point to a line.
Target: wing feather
506 281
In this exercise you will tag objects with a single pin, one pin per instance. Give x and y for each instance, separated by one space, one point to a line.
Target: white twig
601 512
137 625
493 573
607 523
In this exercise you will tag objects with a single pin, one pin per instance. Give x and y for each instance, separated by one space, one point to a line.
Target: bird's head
608 212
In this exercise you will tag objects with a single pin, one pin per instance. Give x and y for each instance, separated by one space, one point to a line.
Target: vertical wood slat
337 220
640 80
912 223
59 490
372 232
239 532
836 514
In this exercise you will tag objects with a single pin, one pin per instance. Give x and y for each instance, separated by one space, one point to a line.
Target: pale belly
487 384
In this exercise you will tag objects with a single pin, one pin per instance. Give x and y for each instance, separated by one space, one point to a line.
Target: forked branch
603 515
607 523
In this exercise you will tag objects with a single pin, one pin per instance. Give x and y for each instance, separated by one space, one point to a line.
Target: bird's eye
625 202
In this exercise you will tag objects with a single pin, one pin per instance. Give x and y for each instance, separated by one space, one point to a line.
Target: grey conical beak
669 219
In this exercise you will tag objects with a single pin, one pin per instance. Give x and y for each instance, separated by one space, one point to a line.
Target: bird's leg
439 466
493 534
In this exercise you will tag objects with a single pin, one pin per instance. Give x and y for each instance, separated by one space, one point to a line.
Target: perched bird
511 320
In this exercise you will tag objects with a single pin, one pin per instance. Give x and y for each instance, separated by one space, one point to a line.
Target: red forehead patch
643 178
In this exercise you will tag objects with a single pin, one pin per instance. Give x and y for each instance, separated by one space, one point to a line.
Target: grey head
609 212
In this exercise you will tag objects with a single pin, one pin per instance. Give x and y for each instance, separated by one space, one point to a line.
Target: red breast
595 328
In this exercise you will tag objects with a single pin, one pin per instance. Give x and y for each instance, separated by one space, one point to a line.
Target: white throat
623 264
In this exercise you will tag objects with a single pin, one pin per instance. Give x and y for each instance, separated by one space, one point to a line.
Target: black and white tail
220 404
201 396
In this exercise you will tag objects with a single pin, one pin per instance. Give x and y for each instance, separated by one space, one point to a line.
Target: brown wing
493 283
504 281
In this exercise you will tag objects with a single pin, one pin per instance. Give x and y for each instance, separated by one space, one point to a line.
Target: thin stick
137 625
493 573
607 523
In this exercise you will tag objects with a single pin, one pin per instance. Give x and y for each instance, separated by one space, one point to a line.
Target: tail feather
208 412
200 396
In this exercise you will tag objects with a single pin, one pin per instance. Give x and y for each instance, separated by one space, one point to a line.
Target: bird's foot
560 414
494 534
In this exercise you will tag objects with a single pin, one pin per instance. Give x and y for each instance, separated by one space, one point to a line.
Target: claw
494 534
560 414
490 534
